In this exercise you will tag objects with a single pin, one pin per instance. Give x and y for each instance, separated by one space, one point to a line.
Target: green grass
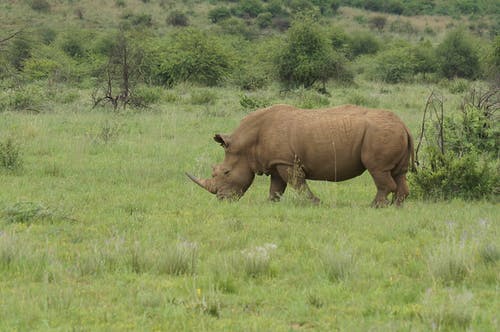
101 230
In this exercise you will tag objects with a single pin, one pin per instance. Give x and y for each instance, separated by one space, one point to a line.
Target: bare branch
10 37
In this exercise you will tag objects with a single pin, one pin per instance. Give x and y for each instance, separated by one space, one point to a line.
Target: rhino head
230 179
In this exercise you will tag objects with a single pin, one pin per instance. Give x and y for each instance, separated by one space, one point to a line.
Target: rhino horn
206 184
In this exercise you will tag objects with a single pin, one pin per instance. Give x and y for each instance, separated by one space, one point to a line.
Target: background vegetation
104 105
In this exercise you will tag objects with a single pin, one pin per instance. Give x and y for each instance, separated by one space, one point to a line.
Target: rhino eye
226 172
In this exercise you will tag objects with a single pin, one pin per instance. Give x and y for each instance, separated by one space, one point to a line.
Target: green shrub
28 97
237 27
402 26
178 19
310 99
363 43
196 57
378 22
73 43
457 56
10 155
137 20
47 35
307 56
248 8
327 7
252 103
144 95
275 7
300 6
474 130
219 14
250 78
18 51
40 5
447 176
424 58
264 20
394 65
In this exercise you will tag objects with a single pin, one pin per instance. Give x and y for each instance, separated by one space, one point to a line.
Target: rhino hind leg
385 185
402 190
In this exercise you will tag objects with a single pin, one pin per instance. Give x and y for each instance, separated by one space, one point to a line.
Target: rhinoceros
293 145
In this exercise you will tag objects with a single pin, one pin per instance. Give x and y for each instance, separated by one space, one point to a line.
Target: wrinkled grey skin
292 145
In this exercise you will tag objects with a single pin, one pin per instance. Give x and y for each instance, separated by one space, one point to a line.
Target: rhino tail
411 151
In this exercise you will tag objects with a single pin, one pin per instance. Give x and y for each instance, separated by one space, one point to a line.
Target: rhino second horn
201 182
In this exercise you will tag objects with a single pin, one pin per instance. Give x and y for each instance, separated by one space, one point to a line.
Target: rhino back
328 143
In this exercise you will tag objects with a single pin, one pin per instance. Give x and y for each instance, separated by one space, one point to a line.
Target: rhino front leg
296 178
278 186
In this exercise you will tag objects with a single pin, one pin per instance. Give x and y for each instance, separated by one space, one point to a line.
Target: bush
218 14
307 56
474 130
457 56
447 176
143 95
252 103
50 63
40 5
137 20
28 97
327 7
248 8
72 44
462 150
378 22
18 51
10 155
274 7
424 58
394 65
363 43
248 79
493 63
177 18
237 27
264 20
196 57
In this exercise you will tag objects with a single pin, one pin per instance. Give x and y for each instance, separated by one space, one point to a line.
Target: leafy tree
457 56
307 56
424 57
196 57
395 65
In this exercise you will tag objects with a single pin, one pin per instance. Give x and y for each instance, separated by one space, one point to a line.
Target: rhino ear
223 140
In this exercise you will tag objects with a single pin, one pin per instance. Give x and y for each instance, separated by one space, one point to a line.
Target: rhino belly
323 162
333 171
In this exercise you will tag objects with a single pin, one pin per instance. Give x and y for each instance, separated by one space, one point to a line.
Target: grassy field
100 230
